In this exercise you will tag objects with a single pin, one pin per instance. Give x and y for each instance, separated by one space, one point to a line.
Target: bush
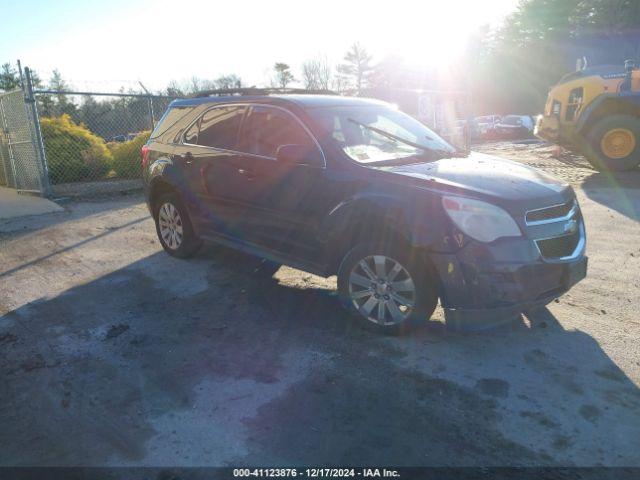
126 160
73 152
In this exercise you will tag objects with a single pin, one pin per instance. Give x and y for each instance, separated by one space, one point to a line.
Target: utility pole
150 105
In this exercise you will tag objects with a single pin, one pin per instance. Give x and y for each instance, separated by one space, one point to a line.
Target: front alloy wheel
382 290
390 289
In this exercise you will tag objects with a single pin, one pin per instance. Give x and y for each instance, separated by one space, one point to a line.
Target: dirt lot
113 353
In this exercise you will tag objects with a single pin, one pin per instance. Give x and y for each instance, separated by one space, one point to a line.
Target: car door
281 202
208 151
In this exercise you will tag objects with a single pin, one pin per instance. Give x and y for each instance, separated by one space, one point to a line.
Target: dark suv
353 187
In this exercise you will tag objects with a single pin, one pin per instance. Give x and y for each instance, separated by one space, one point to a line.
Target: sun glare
436 39
421 33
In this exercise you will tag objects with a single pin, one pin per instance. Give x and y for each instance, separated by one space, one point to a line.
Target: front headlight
480 220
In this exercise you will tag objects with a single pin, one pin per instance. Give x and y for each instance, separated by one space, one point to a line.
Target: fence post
37 133
150 103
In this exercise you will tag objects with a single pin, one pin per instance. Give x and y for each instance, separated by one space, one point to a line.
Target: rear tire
174 227
389 290
613 143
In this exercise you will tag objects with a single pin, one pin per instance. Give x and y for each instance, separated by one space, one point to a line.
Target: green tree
512 68
357 67
62 103
607 16
9 78
36 81
283 75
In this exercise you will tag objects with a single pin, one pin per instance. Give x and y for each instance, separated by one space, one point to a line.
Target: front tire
174 227
613 143
388 290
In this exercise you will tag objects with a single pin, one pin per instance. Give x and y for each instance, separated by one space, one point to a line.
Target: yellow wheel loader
596 111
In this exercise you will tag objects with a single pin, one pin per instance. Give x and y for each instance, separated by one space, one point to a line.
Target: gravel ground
113 353
103 188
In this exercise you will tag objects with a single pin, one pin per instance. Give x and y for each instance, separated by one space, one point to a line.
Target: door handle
188 158
248 174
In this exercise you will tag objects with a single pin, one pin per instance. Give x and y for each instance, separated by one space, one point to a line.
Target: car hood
508 183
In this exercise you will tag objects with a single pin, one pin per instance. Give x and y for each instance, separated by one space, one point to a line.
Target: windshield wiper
436 153
392 136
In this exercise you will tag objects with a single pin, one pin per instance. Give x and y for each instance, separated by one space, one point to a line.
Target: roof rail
259 91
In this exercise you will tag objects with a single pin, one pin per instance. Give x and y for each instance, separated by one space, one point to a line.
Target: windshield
377 133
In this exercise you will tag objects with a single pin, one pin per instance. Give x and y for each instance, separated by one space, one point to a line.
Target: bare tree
195 85
357 66
174 89
340 83
317 74
199 84
283 75
228 81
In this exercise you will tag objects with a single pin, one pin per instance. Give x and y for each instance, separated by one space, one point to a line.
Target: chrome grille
557 231
550 214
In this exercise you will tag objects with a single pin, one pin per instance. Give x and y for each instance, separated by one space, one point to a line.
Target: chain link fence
90 136
22 164
72 143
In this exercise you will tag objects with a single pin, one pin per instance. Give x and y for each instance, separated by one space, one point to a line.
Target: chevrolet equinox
355 188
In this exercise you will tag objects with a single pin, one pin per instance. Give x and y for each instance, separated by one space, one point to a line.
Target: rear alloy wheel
389 291
170 222
614 143
174 228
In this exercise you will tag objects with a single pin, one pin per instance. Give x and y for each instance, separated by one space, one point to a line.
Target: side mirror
300 155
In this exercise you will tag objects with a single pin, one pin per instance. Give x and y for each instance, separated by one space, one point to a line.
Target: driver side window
267 128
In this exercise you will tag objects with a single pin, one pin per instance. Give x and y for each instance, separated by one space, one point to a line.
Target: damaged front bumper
481 286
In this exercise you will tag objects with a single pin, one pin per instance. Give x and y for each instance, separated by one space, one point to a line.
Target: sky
103 45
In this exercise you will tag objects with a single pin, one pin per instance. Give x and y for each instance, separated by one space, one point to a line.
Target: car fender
420 227
163 172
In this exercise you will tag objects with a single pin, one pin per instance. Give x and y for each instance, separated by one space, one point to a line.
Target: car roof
300 100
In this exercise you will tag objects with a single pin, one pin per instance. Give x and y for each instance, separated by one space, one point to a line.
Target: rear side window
268 128
219 127
175 118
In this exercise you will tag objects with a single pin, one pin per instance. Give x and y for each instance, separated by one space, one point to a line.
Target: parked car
355 188
515 126
124 138
486 126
